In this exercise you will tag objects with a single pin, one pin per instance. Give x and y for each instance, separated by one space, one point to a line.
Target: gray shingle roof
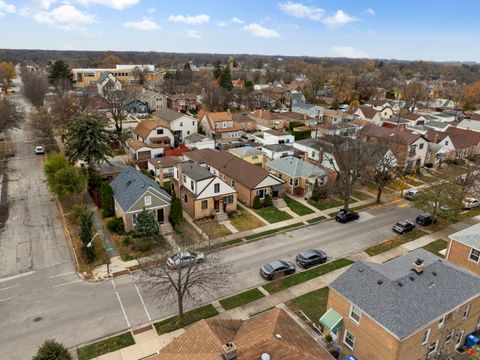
295 167
469 236
313 143
246 151
168 114
278 147
131 184
196 172
405 309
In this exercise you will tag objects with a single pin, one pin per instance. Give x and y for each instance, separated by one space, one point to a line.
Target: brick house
182 102
416 306
150 139
133 192
464 249
201 192
220 126
247 179
269 119
457 143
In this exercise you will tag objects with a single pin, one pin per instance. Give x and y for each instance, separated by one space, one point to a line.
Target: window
474 255
134 219
254 157
467 310
216 188
261 193
355 314
296 182
191 185
426 335
188 132
449 336
181 123
148 200
233 183
204 204
432 349
441 322
446 142
185 198
420 146
291 181
159 131
228 199
349 339
193 122
184 178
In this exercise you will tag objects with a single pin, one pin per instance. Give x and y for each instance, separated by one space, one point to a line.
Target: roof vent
379 282
265 356
400 283
431 285
278 336
417 266
229 351
361 269
411 277
129 182
434 273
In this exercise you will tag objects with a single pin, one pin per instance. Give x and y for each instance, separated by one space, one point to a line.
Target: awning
331 320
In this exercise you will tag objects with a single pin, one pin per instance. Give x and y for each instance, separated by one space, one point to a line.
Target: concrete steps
279 203
166 228
221 216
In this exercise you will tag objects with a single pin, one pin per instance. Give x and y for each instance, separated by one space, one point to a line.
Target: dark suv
308 258
345 216
424 219
403 226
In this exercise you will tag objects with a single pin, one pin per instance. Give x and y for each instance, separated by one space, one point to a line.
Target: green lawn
297 207
213 229
312 304
436 246
273 231
245 220
360 195
105 346
174 323
395 242
241 299
303 276
315 220
327 204
273 215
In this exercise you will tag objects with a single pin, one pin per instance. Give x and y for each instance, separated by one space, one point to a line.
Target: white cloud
236 20
348 52
7 8
193 34
300 10
261 31
222 23
338 19
145 25
114 4
151 10
370 11
65 17
193 20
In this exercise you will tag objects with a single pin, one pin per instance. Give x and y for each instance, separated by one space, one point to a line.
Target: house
312 110
183 102
268 119
141 151
150 139
312 149
271 335
367 113
108 82
162 167
378 105
279 94
412 307
464 249
220 126
276 151
297 97
442 103
201 192
137 108
468 124
458 143
411 118
154 100
336 117
249 154
199 141
126 74
134 192
180 124
277 137
299 175
244 122
247 179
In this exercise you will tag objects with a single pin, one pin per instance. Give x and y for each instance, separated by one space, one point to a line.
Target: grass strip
174 323
273 231
436 246
395 242
303 276
298 207
105 346
241 299
273 215
315 220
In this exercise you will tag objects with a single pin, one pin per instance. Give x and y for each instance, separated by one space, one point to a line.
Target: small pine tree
267 201
225 80
315 191
176 213
52 350
86 222
257 204
146 225
106 197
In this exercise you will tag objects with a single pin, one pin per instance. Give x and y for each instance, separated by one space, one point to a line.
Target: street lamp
99 232
89 245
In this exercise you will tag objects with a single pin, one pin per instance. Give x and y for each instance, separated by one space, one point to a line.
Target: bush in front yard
176 212
267 201
52 350
146 225
106 198
257 203
116 225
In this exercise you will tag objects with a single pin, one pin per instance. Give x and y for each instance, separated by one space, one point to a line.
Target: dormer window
159 131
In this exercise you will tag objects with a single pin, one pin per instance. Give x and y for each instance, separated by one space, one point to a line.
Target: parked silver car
185 258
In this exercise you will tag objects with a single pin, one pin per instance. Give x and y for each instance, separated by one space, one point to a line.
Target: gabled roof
312 143
460 138
246 151
196 138
196 172
274 333
295 167
131 184
168 114
367 111
165 161
145 127
188 96
469 236
401 300
410 116
401 136
377 103
265 115
136 144
278 147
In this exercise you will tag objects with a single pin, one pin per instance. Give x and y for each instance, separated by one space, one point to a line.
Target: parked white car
471 203
39 150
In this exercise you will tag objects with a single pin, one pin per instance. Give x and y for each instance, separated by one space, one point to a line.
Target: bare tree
191 282
10 115
140 75
41 125
35 86
116 102
413 93
384 168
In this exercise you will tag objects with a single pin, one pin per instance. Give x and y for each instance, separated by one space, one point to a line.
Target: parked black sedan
345 216
424 219
276 269
403 226
309 258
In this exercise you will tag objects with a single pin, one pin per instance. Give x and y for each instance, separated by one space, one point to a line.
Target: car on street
403 226
424 219
39 150
311 257
345 216
470 203
185 258
411 194
276 269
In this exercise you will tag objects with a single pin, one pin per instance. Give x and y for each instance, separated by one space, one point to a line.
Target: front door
274 193
458 339
216 204
160 216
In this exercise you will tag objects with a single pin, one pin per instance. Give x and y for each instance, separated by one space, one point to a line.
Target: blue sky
409 29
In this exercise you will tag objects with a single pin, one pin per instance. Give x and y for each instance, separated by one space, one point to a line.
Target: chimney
435 138
229 351
180 178
228 111
417 266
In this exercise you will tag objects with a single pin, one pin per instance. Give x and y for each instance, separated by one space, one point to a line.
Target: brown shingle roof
401 136
135 144
461 138
144 127
165 161
274 332
219 116
265 115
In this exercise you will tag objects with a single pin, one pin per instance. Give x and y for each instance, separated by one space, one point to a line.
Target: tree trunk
180 308
346 202
379 195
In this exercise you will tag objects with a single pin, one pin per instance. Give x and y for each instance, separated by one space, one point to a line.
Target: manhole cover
37 319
